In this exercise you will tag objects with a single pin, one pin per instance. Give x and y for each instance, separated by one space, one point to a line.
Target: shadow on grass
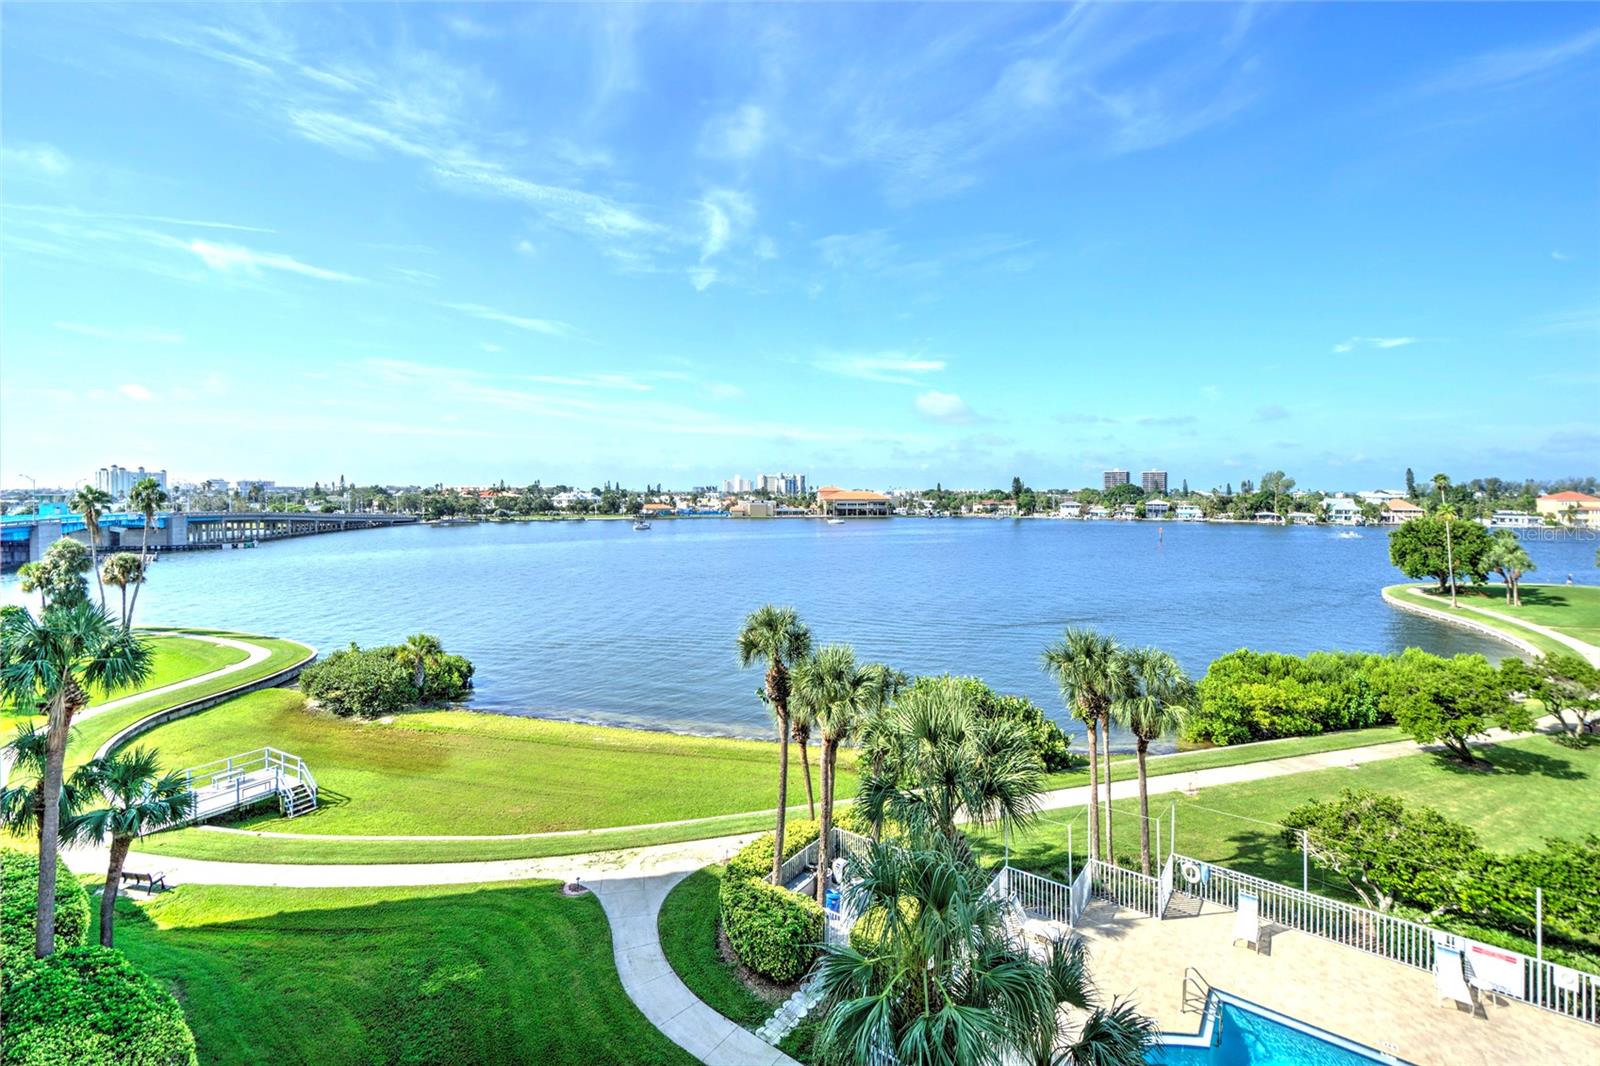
1517 761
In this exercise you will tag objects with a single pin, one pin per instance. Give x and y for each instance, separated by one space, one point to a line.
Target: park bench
150 882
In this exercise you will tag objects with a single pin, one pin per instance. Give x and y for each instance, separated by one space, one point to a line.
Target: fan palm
22 800
56 660
801 722
1508 558
121 570
1152 709
146 496
934 761
776 636
89 502
1093 674
135 798
419 652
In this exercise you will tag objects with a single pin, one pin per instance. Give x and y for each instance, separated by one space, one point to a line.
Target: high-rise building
782 484
1115 477
1153 481
119 480
737 485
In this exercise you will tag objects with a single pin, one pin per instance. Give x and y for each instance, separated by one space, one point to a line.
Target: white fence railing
1543 984
1040 896
1082 892
1127 888
1166 888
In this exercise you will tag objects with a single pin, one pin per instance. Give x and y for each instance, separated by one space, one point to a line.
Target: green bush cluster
1049 742
19 901
1254 695
92 1007
775 931
370 682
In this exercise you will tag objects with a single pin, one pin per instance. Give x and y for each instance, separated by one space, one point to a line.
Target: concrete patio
1385 1005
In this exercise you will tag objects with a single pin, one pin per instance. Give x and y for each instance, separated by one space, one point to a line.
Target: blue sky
880 245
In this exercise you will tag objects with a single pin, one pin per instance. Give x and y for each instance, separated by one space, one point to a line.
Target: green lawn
457 772
1537 789
503 973
688 925
176 658
1572 610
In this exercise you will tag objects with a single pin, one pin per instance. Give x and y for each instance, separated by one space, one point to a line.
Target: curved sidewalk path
1588 651
254 653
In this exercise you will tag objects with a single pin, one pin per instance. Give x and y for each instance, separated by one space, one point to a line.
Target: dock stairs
253 777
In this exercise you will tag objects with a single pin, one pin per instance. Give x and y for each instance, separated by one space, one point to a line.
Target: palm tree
121 570
1447 515
420 651
1152 709
89 502
801 719
837 695
1508 558
943 980
776 636
935 761
137 799
56 661
31 578
1093 674
22 801
147 496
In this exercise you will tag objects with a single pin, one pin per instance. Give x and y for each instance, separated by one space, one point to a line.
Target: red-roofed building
853 503
1572 508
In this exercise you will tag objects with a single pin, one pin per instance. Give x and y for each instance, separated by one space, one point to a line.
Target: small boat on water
835 521
449 522
641 525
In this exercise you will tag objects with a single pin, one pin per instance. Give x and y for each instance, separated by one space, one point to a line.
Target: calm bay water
595 622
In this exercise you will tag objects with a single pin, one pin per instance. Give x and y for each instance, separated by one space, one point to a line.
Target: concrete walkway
1588 651
254 653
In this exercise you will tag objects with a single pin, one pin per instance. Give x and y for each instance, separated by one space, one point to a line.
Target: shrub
1046 738
448 679
1249 695
775 931
92 1007
867 933
360 683
19 900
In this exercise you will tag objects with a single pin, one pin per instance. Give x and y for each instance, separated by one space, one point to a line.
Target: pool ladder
1196 991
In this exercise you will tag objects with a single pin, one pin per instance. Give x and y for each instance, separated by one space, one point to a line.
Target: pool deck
1387 1006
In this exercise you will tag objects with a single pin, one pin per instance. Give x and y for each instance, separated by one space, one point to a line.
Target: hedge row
775 931
82 1006
19 903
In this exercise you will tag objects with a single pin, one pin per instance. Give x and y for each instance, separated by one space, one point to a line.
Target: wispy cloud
1577 320
226 258
122 334
1352 343
621 382
739 134
136 392
1559 256
548 326
45 160
896 368
1272 412
946 407
117 216
1512 67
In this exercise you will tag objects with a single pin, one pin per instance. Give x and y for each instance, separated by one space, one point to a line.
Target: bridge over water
25 538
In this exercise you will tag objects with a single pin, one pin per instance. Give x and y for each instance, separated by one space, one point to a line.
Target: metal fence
1543 984
1127 888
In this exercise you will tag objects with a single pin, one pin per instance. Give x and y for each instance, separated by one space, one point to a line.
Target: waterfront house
1267 518
1514 520
1302 518
1126 512
1097 512
655 510
852 503
1570 508
1156 508
1342 511
1401 510
1070 509
1380 496
563 500
1189 512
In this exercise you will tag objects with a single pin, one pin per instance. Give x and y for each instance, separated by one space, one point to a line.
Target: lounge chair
1247 921
1450 979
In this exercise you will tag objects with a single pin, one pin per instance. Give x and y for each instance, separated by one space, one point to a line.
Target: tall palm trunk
1144 812
144 564
1094 790
1105 726
778 694
124 608
94 559
108 895
44 933
825 771
805 761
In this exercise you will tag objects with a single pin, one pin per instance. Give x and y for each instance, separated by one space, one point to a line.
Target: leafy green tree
933 760
58 660
1277 484
1093 674
420 653
360 683
1561 684
1431 547
1507 557
1449 701
127 796
1411 484
945 979
1387 852
1151 708
120 570
89 502
776 636
146 496
58 577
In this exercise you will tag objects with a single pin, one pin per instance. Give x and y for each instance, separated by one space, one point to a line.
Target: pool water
1239 1033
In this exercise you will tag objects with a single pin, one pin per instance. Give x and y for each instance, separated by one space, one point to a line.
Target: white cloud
1559 256
1353 343
737 135
944 407
702 278
226 257
724 390
122 334
42 159
896 368
594 381
1513 66
134 392
525 247
725 212
167 220
549 327
488 347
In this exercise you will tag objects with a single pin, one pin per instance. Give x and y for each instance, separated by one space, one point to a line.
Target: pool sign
1499 971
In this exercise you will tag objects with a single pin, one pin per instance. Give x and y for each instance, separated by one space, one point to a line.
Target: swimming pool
1237 1032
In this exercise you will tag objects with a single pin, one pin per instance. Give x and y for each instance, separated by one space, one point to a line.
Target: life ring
1191 872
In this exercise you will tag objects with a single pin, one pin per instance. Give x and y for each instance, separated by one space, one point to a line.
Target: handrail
1195 989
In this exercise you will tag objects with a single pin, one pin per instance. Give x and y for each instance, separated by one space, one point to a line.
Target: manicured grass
176 658
456 772
688 925
503 973
1573 610
1537 789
